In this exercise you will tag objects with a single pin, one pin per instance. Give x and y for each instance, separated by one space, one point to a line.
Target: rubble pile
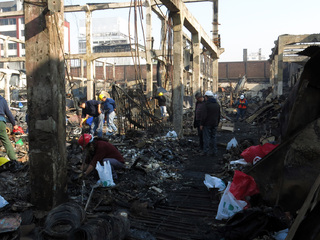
150 163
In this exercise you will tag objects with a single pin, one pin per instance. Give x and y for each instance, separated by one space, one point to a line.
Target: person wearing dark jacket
210 119
162 104
197 117
5 111
92 108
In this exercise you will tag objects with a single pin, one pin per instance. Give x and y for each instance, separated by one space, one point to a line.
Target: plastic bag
229 205
243 185
257 151
239 161
214 182
105 174
256 159
281 235
3 202
171 134
19 130
251 152
268 147
233 143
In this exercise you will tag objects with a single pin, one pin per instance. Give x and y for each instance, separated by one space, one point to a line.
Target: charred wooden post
196 86
178 88
46 102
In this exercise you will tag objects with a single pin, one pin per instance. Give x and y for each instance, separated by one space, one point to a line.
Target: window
10 33
9 9
12 21
7 21
12 46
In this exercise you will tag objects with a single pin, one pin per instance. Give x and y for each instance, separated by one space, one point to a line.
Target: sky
243 24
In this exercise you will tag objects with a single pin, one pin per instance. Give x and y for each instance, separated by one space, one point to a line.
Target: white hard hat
242 96
208 94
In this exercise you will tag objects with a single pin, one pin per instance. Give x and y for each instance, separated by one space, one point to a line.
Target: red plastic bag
243 185
251 152
268 147
257 151
20 130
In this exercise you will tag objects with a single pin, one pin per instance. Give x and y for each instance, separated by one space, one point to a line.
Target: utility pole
46 101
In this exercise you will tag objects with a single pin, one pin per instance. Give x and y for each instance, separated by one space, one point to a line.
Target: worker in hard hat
99 150
241 105
162 104
109 110
92 108
210 118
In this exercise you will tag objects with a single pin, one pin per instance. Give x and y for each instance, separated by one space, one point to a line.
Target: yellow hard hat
101 96
3 160
160 93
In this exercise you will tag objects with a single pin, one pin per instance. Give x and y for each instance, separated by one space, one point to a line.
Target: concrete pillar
5 52
245 55
215 23
178 88
280 68
46 103
149 81
196 63
104 76
7 78
215 74
276 75
81 73
88 58
163 36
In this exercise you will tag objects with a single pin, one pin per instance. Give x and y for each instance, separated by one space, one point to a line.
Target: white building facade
14 27
108 35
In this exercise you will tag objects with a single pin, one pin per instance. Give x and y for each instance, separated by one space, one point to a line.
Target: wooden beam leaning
12 39
12 59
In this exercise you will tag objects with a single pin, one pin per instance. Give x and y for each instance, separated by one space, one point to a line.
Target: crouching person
99 150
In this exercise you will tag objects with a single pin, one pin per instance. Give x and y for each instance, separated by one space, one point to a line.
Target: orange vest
242 104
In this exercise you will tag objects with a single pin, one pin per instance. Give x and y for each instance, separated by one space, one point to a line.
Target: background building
14 27
109 35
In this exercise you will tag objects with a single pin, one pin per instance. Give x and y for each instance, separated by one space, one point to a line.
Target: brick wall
121 72
252 69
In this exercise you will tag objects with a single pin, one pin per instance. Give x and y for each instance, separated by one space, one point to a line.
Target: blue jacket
5 111
109 105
